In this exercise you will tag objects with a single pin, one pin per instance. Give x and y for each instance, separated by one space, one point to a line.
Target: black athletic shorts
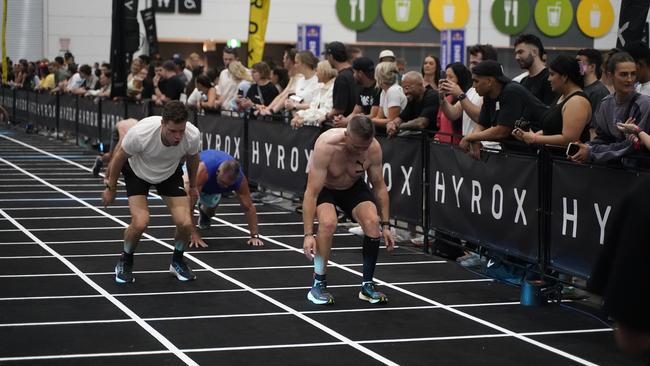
346 199
170 187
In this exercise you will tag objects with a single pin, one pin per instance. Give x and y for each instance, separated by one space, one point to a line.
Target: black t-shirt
515 102
172 88
268 92
426 107
368 98
345 91
552 122
147 88
595 91
540 87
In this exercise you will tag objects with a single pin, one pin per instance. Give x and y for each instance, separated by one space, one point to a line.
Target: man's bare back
345 165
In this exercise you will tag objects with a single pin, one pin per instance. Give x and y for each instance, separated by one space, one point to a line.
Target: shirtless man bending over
340 159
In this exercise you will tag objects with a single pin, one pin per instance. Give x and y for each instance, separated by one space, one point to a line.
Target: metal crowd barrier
537 207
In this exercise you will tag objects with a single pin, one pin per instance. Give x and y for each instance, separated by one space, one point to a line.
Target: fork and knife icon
362 10
511 9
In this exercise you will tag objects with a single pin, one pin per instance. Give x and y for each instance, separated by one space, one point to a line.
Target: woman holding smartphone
568 119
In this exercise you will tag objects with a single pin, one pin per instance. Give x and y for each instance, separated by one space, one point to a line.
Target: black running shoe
204 220
370 293
180 269
124 272
97 166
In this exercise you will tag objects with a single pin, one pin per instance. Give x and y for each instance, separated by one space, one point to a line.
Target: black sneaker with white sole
181 270
124 272
204 220
97 166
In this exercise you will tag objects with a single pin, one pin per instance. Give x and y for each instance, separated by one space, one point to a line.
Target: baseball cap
490 68
365 65
386 53
337 50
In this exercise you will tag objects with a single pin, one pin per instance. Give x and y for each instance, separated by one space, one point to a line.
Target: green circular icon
553 17
402 15
510 16
357 14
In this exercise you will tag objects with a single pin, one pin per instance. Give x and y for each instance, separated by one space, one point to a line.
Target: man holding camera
504 103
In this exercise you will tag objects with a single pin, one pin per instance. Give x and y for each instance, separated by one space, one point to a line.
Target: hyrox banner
592 210
493 201
223 133
42 110
402 168
279 156
22 106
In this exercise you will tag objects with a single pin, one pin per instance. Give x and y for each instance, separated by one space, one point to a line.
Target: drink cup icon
448 12
594 17
554 12
402 10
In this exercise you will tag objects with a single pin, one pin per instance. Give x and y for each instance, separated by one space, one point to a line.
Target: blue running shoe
319 295
204 220
179 269
124 272
369 293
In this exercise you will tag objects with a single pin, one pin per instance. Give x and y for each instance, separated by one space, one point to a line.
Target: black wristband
255 236
384 223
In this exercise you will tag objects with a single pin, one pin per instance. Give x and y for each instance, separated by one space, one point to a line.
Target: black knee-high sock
370 252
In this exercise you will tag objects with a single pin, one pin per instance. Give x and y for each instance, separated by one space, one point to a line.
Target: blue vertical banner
452 46
309 38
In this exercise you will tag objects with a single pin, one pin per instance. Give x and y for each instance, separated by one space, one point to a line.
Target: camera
522 124
240 93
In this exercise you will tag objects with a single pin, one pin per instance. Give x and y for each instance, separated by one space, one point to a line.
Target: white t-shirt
393 97
194 98
75 82
227 88
307 89
150 159
643 88
468 123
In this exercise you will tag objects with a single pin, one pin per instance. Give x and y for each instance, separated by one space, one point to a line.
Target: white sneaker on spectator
357 230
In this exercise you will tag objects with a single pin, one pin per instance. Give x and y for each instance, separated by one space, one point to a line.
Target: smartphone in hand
572 149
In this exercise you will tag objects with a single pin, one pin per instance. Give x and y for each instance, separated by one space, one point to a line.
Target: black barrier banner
32 109
402 168
279 156
137 110
88 117
67 113
586 221
222 133
8 101
46 110
112 112
22 105
493 201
